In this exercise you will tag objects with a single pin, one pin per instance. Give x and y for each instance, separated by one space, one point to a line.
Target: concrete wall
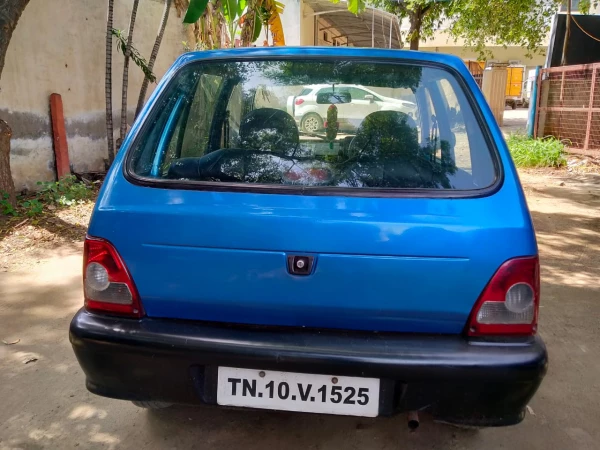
307 25
59 46
290 19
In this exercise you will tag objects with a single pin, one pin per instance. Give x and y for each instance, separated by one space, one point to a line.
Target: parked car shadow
258 429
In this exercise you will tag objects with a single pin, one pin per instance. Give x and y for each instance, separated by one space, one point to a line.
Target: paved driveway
43 404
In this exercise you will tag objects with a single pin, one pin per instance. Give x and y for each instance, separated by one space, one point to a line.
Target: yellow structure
514 81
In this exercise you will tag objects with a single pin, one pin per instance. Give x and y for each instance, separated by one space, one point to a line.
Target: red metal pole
588 129
59 134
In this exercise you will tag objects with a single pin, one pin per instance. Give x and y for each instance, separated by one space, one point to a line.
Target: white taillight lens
519 298
96 277
117 293
517 308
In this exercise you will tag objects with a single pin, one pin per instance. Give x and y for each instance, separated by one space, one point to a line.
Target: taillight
107 285
510 302
299 101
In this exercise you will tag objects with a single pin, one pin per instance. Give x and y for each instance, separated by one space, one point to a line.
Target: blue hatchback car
235 259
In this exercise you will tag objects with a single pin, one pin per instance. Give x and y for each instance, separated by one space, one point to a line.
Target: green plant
6 207
544 152
139 60
479 24
32 207
217 22
64 192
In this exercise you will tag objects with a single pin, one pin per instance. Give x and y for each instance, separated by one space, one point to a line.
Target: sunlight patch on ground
85 412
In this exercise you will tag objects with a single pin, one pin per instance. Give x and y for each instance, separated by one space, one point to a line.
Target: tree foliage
480 23
217 23
138 59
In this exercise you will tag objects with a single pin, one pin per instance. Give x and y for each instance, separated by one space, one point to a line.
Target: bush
65 192
6 207
528 152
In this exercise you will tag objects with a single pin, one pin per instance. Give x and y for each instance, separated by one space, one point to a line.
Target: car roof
360 53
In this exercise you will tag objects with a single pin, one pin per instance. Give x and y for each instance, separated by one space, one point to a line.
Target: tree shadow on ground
586 195
49 221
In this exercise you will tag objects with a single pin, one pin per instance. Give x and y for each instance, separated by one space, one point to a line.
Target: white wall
59 46
290 19
307 25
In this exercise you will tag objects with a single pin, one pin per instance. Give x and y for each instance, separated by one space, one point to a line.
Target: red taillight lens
299 101
107 285
510 302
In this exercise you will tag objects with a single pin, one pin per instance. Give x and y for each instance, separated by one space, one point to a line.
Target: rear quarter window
227 123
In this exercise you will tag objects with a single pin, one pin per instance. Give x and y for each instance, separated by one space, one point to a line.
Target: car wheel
513 105
311 123
151 405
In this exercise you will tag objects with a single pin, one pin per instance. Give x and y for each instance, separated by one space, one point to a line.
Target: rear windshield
365 126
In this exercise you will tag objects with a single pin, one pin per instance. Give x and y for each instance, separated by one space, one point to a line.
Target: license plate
288 391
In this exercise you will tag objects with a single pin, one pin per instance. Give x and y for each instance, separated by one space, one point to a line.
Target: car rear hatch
404 223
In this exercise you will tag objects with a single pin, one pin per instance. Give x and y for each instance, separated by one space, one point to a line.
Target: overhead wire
585 32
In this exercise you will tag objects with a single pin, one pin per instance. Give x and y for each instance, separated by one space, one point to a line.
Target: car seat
269 129
388 155
385 133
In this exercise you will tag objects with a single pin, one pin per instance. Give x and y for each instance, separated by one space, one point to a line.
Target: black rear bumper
475 382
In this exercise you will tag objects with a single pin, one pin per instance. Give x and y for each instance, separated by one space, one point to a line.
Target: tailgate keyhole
300 265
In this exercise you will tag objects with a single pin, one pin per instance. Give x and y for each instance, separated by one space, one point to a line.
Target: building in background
323 23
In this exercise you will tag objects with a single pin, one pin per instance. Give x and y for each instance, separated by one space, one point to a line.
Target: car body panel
390 264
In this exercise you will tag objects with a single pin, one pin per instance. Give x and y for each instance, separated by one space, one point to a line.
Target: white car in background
311 116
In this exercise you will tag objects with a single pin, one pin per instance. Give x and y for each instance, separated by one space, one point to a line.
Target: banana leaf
195 10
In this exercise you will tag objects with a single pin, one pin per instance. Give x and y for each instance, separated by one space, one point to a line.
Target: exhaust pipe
413 420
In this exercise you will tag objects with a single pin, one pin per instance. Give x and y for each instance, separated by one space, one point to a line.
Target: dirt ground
44 404
515 121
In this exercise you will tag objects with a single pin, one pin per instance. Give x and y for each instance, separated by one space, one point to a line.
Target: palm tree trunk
108 83
10 13
153 55
123 130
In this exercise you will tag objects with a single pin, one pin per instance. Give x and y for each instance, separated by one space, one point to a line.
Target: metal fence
568 106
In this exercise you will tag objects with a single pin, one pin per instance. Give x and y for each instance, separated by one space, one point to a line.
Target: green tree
10 13
216 22
480 23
